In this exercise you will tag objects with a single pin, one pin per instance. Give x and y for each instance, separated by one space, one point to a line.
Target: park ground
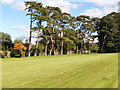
66 71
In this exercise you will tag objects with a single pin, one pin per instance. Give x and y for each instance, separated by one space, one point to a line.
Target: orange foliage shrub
21 47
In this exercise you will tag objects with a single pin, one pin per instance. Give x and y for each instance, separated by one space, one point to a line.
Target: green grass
67 71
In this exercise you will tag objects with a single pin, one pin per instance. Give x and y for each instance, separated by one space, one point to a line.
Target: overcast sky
16 23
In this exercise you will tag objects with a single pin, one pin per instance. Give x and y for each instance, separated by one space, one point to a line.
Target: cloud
19 5
7 2
20 27
15 4
108 10
65 6
98 2
108 6
95 12
103 2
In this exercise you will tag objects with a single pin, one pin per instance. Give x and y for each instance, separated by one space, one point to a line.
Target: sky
13 19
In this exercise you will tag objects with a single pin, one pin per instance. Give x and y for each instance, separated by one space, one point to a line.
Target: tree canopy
62 33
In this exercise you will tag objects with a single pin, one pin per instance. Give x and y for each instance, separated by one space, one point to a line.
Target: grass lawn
67 71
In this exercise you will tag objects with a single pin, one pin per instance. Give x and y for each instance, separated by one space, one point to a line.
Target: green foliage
109 32
69 43
58 31
5 37
19 40
40 48
16 53
6 41
84 47
32 50
94 47
5 52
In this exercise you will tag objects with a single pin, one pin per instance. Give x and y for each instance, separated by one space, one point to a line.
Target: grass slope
67 71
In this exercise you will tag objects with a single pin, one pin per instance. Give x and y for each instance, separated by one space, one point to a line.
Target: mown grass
67 71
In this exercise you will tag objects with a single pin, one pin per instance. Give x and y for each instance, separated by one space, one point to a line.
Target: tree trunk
81 32
62 48
37 43
46 47
77 44
70 51
51 46
56 51
62 45
67 51
50 52
103 43
52 41
40 54
89 51
81 51
46 50
57 46
29 49
77 49
89 48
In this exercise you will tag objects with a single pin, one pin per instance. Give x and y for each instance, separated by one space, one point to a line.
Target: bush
94 47
16 53
5 53
2 54
19 50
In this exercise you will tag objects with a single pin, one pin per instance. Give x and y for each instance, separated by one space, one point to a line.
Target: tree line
62 33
